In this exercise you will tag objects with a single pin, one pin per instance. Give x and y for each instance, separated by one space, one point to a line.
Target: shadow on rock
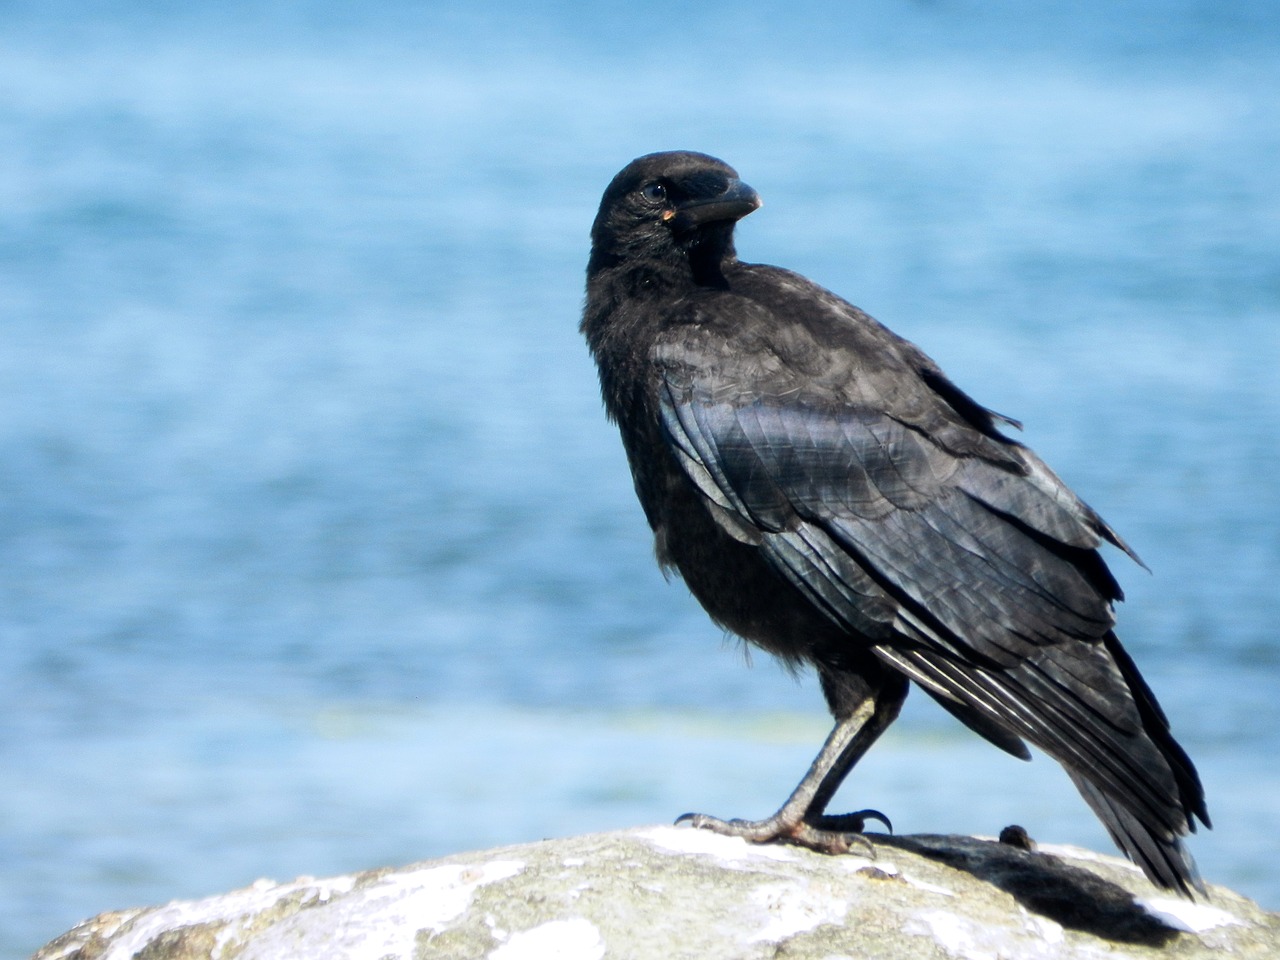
1070 896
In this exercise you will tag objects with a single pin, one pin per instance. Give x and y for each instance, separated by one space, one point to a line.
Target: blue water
316 552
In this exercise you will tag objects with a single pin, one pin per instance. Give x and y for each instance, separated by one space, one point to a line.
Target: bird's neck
709 252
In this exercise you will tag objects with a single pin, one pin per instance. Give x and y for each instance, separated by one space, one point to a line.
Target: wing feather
976 577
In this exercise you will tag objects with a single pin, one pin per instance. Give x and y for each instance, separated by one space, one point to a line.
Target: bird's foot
827 834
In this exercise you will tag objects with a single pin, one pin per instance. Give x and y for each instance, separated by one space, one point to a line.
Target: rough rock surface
667 892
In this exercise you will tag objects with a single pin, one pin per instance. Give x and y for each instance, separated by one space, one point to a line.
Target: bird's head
665 206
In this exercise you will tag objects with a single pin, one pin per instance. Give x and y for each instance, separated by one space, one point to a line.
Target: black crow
828 494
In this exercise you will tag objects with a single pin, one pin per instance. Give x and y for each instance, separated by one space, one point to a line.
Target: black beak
735 202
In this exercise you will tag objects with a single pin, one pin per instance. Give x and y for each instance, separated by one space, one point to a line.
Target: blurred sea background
316 552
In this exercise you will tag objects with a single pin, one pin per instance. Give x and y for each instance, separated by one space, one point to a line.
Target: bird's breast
727 574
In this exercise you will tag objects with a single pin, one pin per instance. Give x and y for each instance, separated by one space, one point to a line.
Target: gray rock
667 892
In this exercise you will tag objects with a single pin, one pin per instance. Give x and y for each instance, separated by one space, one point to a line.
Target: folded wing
974 573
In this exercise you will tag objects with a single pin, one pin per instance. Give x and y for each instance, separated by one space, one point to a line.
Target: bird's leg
801 819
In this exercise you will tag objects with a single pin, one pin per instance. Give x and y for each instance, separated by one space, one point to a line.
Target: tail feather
1160 854
1156 724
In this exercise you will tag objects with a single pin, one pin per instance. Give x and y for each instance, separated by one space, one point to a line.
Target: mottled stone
667 892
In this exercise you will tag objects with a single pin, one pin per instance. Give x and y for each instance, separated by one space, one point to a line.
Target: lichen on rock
668 892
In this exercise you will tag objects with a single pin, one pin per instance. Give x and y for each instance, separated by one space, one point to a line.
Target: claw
852 822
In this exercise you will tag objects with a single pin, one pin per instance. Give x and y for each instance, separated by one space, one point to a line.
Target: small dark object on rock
1016 836
828 494
876 873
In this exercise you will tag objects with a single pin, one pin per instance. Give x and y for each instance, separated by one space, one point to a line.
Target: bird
830 496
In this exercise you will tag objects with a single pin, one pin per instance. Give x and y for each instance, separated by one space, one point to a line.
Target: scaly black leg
801 819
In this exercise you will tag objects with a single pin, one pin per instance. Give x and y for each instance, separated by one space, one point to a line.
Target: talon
874 815
866 842
834 845
852 822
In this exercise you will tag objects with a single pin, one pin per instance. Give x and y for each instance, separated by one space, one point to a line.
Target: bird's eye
654 192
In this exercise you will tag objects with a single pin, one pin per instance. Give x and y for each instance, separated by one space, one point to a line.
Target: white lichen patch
226 908
728 850
104 927
928 887
888 870
433 897
954 934
790 908
853 864
967 939
383 918
1050 931
377 920
1187 916
573 939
